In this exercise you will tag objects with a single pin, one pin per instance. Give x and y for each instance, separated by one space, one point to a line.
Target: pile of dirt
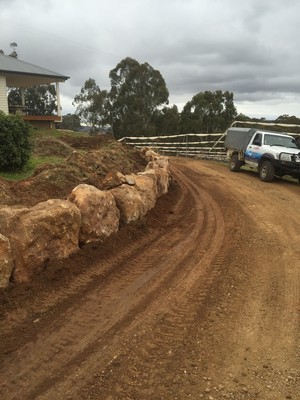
85 159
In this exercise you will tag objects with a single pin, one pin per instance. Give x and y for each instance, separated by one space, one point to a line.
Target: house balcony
37 121
15 73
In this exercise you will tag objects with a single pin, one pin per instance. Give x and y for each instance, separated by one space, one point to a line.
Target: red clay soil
83 160
200 299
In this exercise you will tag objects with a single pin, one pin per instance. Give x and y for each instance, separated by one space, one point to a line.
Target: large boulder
148 154
163 181
129 203
161 177
146 186
135 201
100 216
45 232
6 261
159 163
115 179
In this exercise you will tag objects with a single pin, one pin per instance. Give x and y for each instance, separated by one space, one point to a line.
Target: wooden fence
198 145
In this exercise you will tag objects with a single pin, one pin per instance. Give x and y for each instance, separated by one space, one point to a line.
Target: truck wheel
235 163
267 171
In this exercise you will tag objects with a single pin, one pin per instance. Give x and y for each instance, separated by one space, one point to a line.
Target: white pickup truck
270 153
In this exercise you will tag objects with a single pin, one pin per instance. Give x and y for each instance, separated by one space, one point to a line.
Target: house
17 73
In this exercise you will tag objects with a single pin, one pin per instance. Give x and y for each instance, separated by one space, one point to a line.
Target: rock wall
54 229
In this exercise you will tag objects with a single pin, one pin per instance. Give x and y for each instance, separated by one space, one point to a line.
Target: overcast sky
249 47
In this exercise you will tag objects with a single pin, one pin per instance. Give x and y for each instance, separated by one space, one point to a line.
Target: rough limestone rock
45 232
129 203
149 154
161 162
146 186
100 216
129 180
150 173
115 179
162 179
6 261
135 201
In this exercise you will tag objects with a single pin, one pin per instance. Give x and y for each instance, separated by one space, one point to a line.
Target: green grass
35 161
32 163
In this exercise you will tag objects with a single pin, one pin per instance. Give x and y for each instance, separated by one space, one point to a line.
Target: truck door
253 152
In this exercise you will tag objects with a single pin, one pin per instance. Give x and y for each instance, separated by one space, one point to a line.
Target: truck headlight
285 157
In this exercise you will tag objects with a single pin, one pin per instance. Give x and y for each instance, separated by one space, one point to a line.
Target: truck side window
257 139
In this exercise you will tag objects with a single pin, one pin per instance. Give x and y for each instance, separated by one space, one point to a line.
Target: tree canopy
288 119
137 104
92 104
208 112
39 100
167 121
70 121
137 90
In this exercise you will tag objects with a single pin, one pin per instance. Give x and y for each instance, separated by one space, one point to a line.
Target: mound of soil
85 159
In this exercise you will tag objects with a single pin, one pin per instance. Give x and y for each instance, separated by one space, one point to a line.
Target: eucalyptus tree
39 100
137 92
167 121
208 112
70 121
92 104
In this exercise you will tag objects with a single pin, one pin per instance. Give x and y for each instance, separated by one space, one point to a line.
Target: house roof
22 74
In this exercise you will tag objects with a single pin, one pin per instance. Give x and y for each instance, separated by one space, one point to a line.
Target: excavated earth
200 299
84 159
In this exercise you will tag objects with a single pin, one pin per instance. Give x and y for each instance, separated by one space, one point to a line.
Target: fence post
186 146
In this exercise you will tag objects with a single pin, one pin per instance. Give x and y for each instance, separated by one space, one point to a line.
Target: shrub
14 143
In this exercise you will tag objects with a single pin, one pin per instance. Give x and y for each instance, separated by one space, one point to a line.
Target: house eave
19 73
16 79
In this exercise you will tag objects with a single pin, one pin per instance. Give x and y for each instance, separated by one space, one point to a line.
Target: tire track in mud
177 310
154 353
285 276
179 251
274 320
91 334
284 240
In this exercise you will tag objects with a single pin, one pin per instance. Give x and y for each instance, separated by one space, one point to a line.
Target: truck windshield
277 140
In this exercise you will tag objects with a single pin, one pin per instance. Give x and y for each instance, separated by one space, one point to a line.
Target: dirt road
200 300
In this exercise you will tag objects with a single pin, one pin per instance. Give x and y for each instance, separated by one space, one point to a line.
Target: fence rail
198 145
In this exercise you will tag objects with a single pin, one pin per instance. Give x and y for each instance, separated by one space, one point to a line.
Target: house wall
3 95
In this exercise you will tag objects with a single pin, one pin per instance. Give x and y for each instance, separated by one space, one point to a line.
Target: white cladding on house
3 95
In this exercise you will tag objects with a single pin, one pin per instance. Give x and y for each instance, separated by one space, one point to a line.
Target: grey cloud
250 48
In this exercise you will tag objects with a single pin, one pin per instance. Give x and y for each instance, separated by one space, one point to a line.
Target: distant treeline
137 104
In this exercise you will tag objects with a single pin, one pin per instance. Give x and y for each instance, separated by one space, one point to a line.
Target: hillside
78 159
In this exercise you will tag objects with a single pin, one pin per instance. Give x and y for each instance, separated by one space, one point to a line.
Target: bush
14 143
